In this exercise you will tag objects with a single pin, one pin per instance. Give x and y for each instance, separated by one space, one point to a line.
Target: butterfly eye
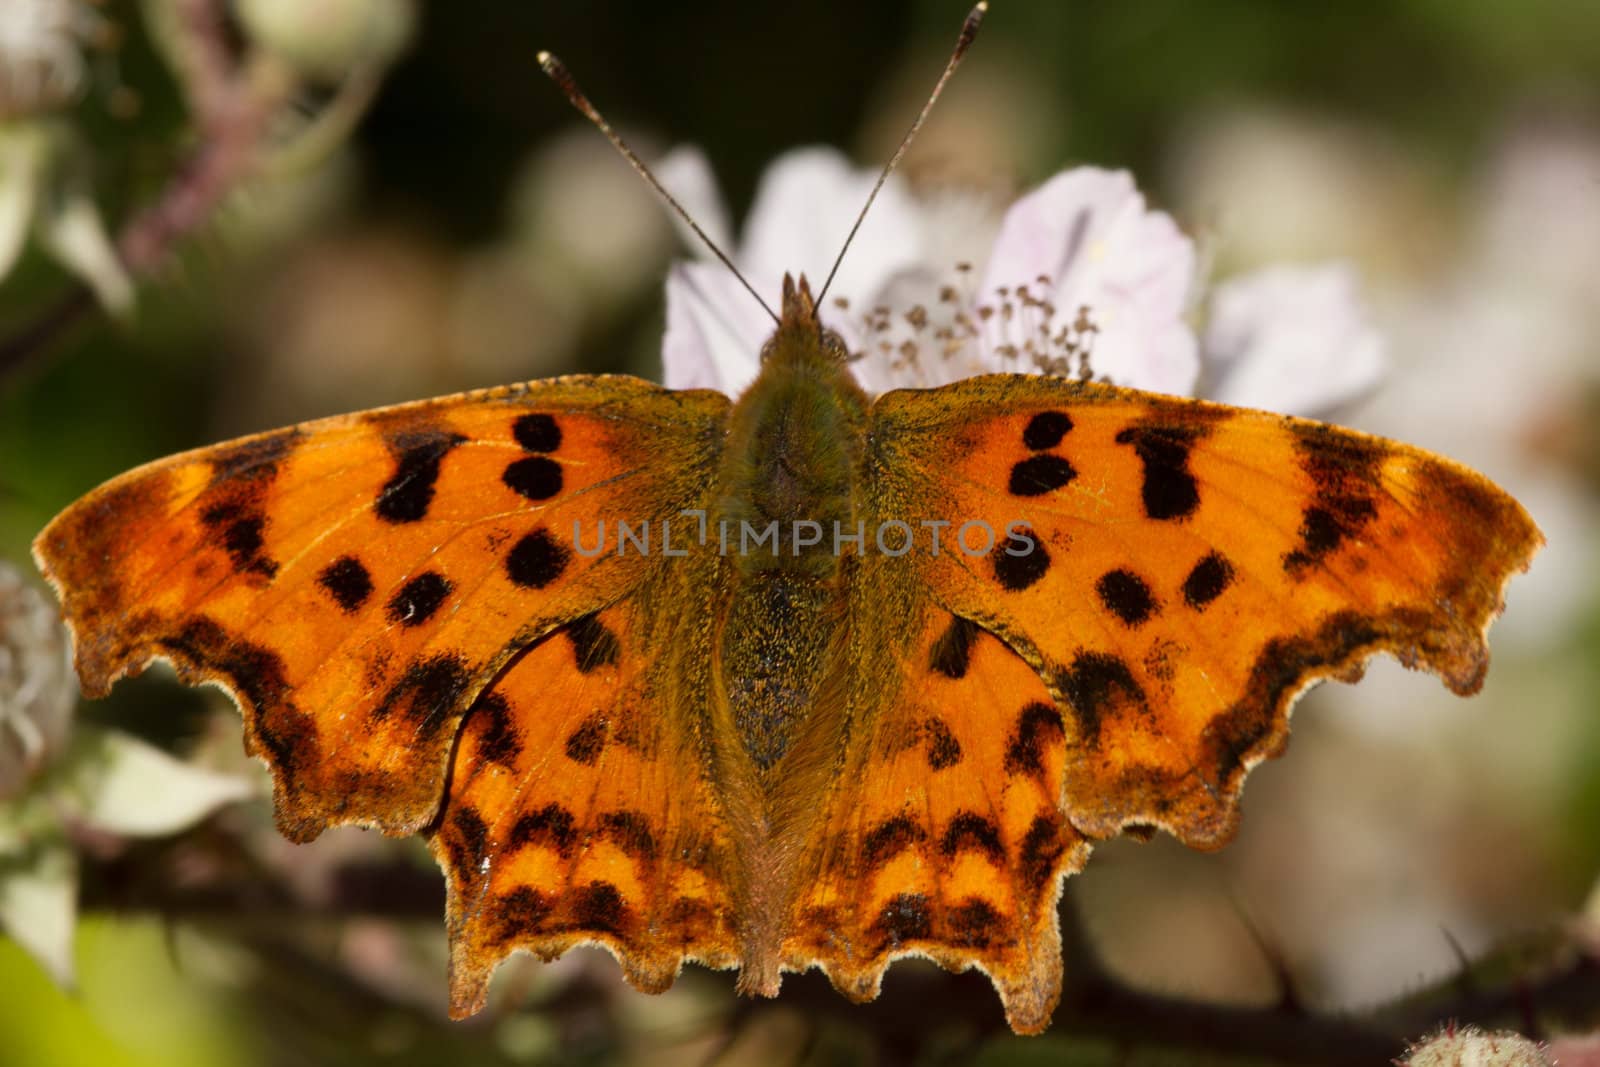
834 345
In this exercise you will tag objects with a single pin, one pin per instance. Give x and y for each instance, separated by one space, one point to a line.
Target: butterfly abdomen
786 511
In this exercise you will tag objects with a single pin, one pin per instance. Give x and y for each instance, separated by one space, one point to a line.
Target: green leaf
39 905
120 784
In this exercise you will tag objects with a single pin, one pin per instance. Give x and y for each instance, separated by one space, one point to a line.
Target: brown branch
204 61
918 1004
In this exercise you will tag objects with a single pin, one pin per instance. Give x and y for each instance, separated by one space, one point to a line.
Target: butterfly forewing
1178 572
356 582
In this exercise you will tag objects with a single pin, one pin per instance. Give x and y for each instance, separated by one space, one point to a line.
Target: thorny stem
204 62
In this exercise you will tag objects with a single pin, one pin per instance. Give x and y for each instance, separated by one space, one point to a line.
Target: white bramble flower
41 53
1291 338
1078 277
46 191
1470 1047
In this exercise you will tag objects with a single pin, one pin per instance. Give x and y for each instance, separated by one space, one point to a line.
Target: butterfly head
800 331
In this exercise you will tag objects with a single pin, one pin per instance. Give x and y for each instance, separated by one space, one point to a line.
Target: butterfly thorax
787 510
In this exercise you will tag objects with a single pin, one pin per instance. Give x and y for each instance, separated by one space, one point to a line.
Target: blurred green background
1449 150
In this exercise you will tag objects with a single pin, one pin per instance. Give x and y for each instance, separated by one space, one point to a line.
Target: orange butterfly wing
578 812
945 837
366 585
356 582
1194 568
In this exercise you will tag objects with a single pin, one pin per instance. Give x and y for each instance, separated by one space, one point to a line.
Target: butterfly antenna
564 81
969 32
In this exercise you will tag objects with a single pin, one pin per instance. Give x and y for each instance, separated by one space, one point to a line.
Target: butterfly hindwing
357 582
945 836
578 810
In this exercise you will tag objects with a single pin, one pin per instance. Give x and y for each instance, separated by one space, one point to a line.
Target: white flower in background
325 40
1294 339
45 190
942 287
41 53
53 781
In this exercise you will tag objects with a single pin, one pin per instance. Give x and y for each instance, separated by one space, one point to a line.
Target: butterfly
806 678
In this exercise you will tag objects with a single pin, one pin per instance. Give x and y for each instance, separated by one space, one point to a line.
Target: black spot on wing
533 477
1038 475
1208 580
238 527
586 742
1343 469
498 739
1126 595
347 580
1038 726
1168 490
598 906
1046 429
466 840
256 459
975 924
415 602
520 913
904 918
943 748
969 831
1093 684
952 652
1019 563
536 560
630 831
408 493
1041 849
427 695
888 839
593 644
537 433
551 826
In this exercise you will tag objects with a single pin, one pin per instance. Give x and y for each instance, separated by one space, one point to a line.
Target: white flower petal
1088 232
715 330
20 147
38 692
124 786
71 228
39 906
1291 339
804 208
687 175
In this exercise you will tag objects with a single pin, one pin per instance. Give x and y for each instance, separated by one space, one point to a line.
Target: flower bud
324 40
